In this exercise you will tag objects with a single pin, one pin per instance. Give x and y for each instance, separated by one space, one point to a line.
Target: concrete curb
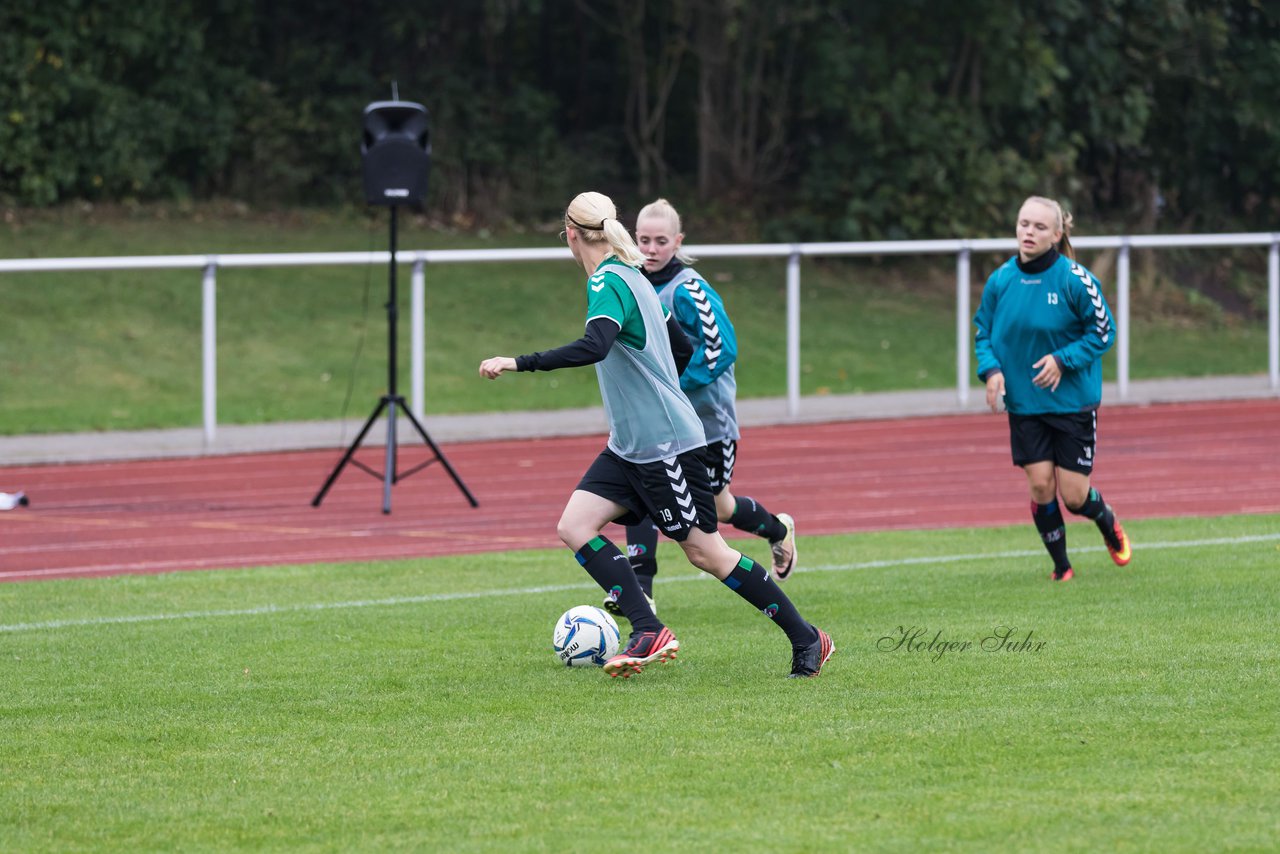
754 412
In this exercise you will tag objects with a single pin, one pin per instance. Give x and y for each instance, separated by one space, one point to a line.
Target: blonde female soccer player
652 465
1043 326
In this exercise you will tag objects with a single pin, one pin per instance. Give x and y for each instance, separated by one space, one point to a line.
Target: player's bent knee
1075 503
1075 499
697 556
573 533
714 557
705 556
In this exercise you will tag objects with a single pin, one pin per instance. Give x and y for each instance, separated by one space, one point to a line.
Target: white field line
557 588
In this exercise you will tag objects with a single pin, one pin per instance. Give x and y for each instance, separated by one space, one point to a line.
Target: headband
573 221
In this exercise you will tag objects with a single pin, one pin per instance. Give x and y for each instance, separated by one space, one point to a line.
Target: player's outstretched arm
493 367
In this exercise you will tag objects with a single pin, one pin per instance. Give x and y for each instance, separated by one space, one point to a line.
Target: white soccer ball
585 635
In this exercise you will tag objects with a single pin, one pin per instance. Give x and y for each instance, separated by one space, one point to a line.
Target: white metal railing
793 252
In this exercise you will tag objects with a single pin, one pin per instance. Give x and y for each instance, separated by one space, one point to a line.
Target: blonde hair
1064 223
663 210
595 218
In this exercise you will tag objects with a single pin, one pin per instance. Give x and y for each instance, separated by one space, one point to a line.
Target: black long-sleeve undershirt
594 345
681 346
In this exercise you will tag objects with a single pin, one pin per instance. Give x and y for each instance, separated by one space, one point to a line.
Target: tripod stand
390 401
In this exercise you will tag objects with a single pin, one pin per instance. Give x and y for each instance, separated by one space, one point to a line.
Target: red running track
1198 459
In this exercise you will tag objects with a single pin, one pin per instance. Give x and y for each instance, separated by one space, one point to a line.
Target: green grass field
121 350
416 705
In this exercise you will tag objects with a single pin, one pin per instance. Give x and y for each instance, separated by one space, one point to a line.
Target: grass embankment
121 350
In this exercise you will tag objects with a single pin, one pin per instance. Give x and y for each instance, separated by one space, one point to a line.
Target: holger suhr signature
919 639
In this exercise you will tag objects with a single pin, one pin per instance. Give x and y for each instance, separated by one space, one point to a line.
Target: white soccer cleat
613 608
784 550
10 500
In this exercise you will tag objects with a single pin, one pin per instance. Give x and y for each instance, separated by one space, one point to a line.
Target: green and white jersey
650 418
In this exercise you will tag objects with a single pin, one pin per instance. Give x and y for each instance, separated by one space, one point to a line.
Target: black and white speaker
396 150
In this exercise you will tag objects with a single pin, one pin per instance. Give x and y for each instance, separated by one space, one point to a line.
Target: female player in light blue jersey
1041 331
710 383
652 466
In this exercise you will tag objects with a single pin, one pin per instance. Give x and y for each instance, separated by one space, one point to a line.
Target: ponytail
1064 245
622 243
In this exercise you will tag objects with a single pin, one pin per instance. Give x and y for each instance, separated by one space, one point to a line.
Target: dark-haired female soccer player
1041 331
652 465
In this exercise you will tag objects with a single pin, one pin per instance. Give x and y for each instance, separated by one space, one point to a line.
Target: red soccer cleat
643 648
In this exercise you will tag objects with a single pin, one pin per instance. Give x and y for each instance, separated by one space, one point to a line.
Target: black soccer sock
611 570
753 583
1096 509
642 550
750 516
1053 532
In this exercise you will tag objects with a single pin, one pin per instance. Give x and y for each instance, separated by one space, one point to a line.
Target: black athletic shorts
720 457
1067 440
676 496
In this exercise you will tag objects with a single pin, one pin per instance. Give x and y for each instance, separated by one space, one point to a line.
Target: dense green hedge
836 119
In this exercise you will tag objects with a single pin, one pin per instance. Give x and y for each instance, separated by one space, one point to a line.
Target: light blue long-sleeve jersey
708 379
1024 316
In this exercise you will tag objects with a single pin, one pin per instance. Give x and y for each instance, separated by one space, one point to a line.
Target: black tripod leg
315 502
439 456
389 473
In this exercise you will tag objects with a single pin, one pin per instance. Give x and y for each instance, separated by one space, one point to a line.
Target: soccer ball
585 635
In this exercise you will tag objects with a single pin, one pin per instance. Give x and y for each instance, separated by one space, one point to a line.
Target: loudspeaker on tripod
396 150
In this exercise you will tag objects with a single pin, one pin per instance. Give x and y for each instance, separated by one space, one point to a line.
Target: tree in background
813 119
749 55
112 99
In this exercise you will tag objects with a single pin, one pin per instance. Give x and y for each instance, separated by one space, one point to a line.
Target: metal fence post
1122 320
417 336
793 332
1273 311
209 350
962 324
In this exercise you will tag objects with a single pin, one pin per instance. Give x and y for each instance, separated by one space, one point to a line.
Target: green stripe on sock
746 563
596 543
